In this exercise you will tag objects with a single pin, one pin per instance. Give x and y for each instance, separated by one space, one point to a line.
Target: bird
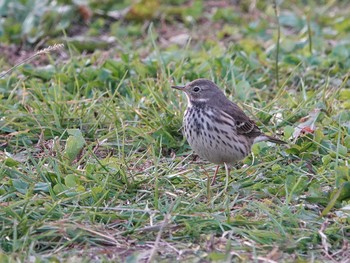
216 128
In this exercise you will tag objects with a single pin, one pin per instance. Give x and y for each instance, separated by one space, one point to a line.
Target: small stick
156 243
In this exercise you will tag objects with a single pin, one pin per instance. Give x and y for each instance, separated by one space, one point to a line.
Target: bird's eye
196 89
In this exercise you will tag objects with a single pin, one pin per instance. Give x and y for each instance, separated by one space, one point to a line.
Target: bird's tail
264 137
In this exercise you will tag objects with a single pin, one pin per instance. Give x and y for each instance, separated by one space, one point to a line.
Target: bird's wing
244 124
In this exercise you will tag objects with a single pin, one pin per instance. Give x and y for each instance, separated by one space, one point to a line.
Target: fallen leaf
307 125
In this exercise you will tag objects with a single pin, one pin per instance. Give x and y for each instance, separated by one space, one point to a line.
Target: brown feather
244 124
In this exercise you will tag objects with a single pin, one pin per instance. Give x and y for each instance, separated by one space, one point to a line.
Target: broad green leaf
42 187
71 180
59 188
74 145
243 90
344 94
20 185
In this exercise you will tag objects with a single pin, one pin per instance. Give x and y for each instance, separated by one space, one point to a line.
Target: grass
94 166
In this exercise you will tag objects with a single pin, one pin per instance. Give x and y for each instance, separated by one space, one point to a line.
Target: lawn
93 164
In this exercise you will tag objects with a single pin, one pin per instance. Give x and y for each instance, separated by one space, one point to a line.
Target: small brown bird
216 128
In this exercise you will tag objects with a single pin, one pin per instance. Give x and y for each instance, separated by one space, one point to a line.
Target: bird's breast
213 136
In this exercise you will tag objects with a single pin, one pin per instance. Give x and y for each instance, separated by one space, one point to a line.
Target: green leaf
80 188
42 187
143 10
342 150
216 256
290 19
243 90
20 185
288 131
44 73
11 162
338 195
74 145
196 9
344 94
59 188
345 192
326 159
295 149
71 180
104 74
340 51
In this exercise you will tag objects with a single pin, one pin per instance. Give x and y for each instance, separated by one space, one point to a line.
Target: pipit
216 128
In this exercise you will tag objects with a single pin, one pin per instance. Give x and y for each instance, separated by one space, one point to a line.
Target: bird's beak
178 87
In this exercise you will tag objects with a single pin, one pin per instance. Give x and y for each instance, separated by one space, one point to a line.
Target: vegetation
93 165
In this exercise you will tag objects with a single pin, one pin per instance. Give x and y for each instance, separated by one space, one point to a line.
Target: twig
324 238
156 243
40 52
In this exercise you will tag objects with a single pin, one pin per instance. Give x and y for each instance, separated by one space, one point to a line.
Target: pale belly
215 142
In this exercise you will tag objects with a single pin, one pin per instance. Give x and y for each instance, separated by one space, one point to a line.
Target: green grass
93 165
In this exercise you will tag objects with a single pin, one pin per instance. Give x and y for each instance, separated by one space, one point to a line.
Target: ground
93 164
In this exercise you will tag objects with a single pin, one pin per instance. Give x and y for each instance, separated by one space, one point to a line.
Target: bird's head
200 91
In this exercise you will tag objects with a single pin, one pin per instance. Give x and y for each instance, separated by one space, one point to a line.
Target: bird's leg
227 171
214 177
